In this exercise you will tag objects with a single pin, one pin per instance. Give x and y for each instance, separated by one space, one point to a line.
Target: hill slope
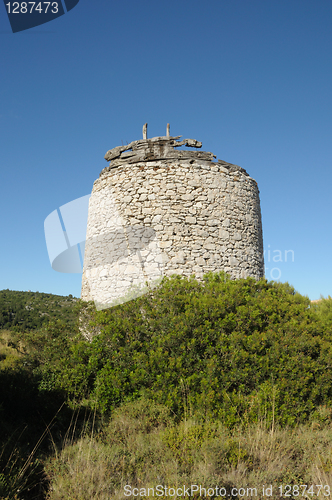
21 311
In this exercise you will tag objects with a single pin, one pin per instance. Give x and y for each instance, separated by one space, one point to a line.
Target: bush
197 378
324 311
240 351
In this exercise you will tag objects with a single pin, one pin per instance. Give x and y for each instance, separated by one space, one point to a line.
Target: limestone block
165 244
194 182
187 197
213 222
190 220
210 246
223 234
179 258
237 236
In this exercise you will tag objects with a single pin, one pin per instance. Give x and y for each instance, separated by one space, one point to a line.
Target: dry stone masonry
157 211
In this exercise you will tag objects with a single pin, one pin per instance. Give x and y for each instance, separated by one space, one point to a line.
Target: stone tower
157 211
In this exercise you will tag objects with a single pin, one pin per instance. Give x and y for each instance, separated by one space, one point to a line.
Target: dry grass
143 449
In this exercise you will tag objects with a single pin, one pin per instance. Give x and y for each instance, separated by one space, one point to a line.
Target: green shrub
241 351
324 311
237 350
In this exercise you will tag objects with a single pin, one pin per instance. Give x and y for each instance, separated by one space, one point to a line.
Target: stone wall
156 212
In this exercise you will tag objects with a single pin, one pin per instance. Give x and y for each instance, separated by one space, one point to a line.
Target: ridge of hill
20 311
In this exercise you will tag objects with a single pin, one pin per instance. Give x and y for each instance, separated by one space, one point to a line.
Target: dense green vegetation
216 357
23 311
231 350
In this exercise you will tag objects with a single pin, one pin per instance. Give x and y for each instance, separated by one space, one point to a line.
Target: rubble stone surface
157 211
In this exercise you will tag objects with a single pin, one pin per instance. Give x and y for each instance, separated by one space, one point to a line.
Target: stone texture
158 211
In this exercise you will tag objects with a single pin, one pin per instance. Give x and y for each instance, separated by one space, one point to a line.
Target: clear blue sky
251 79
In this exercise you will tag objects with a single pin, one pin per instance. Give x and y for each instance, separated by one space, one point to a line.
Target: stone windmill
157 210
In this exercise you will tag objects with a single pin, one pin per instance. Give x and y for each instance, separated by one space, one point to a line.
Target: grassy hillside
22 311
142 448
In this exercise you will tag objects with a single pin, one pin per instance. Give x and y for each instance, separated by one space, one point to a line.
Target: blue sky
250 79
